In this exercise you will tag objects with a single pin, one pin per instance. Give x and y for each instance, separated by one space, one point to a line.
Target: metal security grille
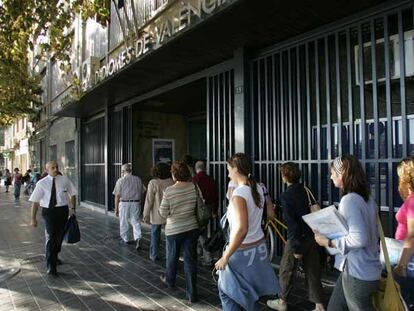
220 129
93 161
347 89
120 146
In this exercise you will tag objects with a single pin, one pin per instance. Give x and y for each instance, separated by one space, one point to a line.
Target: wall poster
162 150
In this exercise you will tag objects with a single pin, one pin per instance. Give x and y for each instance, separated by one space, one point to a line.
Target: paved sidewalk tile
97 274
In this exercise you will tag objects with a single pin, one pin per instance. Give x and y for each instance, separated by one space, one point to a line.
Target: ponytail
255 194
244 167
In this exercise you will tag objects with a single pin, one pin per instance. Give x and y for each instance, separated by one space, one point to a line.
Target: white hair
127 168
200 166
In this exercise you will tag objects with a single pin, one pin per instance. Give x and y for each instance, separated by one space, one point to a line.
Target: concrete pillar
241 101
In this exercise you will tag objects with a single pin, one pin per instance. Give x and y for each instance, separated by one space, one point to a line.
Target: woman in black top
300 244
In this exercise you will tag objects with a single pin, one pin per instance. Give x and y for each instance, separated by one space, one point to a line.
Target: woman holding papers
358 257
300 243
405 229
245 272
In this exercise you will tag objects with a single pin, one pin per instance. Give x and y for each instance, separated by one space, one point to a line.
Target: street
96 274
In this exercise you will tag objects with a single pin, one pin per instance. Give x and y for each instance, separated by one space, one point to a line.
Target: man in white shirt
53 193
127 192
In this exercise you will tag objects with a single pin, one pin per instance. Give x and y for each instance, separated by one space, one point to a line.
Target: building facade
210 78
15 151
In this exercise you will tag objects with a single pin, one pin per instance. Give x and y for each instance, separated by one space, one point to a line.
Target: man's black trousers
55 222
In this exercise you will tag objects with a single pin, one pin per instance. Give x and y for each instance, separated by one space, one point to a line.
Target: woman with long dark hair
358 251
245 273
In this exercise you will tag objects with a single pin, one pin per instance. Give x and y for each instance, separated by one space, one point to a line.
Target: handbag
72 232
388 296
202 210
315 206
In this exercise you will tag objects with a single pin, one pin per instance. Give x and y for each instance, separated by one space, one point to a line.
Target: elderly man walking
52 194
127 191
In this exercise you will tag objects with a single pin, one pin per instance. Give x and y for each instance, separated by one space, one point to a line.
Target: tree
26 25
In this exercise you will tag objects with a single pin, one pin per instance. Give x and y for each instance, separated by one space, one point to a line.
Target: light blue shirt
359 250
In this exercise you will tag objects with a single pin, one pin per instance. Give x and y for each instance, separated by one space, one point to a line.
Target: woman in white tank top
245 273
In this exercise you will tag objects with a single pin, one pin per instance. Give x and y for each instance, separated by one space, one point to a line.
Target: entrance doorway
169 126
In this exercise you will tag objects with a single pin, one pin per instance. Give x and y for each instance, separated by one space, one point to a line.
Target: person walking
405 230
301 245
358 251
17 181
245 272
268 213
181 230
27 179
161 180
127 192
208 189
53 194
8 179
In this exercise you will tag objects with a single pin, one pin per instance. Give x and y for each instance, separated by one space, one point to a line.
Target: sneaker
137 244
277 304
123 243
319 308
163 279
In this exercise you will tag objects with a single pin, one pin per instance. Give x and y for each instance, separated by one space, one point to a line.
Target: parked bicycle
274 229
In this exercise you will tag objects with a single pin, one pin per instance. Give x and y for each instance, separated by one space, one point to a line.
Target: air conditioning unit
88 69
394 58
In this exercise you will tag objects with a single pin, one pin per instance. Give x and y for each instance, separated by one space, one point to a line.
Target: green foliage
24 25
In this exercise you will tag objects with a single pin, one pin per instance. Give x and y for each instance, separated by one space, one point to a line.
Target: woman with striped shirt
178 207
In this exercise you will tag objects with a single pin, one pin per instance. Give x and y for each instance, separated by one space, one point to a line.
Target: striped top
178 207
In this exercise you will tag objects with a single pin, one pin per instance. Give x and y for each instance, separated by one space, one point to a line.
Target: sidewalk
97 274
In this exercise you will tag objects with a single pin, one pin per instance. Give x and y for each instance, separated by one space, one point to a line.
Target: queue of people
245 273
244 270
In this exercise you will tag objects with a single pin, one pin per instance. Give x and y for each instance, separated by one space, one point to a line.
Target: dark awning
250 24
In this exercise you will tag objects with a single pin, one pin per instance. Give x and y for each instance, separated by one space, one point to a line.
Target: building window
93 161
53 153
70 154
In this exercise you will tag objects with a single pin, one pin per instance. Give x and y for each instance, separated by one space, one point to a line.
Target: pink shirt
406 211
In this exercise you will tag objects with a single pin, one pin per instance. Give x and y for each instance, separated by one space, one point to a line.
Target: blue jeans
187 240
155 241
17 190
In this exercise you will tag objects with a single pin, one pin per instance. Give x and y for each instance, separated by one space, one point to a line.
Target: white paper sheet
329 223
